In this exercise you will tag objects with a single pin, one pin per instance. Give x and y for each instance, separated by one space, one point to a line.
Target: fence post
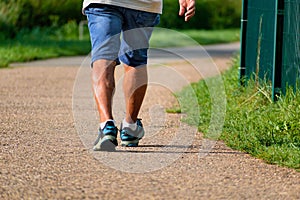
80 30
278 44
244 22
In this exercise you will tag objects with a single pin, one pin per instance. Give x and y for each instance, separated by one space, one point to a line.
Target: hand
187 8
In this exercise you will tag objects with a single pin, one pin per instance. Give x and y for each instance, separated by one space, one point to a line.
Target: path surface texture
48 123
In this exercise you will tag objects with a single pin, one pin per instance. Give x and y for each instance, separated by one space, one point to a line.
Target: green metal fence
270 42
291 43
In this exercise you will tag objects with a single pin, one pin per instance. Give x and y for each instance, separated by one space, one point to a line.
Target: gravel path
47 121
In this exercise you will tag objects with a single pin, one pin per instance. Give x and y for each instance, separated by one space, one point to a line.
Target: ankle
126 124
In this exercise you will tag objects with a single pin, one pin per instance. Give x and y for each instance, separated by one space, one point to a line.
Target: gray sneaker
131 138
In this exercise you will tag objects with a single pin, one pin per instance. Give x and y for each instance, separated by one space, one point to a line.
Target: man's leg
134 86
137 31
103 86
105 25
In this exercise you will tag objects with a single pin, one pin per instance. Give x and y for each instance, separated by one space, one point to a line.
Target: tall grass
253 123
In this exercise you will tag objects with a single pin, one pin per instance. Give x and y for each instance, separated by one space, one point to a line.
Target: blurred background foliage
20 15
210 14
16 15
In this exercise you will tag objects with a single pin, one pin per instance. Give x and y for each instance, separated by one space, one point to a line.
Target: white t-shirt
154 6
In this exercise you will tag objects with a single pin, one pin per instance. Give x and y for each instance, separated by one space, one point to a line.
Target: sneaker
131 138
107 138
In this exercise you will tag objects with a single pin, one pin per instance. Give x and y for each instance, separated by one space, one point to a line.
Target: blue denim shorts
120 34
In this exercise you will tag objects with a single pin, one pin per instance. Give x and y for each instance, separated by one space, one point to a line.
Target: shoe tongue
110 123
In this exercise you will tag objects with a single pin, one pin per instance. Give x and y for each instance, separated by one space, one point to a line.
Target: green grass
172 38
42 43
253 123
204 37
22 51
55 42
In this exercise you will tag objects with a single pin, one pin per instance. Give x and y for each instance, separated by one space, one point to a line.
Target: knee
103 72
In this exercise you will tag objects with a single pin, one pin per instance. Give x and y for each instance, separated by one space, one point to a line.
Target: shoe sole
107 143
133 143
